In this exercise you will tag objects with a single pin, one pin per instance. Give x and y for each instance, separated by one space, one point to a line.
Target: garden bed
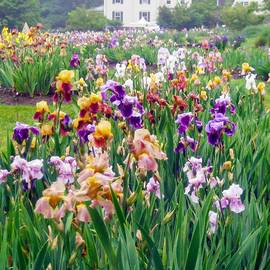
145 167
10 97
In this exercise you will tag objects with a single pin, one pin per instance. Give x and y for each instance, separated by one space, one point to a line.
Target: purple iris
112 86
85 132
209 166
184 120
126 109
22 131
25 186
185 143
129 106
222 104
198 124
66 123
135 121
180 147
192 143
118 94
219 125
75 61
225 39
114 42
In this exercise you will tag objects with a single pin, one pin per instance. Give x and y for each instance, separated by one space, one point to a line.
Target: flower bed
161 168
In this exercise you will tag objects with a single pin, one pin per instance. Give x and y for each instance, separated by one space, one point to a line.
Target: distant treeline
52 13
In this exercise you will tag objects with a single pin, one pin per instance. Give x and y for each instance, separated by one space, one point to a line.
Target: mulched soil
10 97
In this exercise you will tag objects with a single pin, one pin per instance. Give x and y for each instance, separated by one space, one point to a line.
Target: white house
247 2
134 12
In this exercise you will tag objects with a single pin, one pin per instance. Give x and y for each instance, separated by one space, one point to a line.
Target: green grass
10 114
267 100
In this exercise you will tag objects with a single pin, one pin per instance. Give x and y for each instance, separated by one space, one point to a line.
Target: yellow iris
93 187
53 199
81 82
200 70
210 85
65 76
261 88
95 98
46 130
84 103
42 106
226 74
217 80
104 129
227 165
33 143
61 114
203 95
246 68
99 82
194 77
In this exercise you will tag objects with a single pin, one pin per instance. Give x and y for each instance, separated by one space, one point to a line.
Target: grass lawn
267 101
9 115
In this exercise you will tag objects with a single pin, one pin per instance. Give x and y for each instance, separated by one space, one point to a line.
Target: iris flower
217 127
22 132
232 199
221 105
129 106
75 61
30 170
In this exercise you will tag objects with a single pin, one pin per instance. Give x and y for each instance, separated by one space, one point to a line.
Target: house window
145 15
145 2
169 2
117 16
118 1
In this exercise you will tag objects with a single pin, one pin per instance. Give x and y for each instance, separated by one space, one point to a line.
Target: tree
165 18
239 17
16 12
86 19
201 12
95 3
55 12
267 4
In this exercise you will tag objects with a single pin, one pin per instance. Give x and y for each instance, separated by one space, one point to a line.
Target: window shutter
113 1
113 15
